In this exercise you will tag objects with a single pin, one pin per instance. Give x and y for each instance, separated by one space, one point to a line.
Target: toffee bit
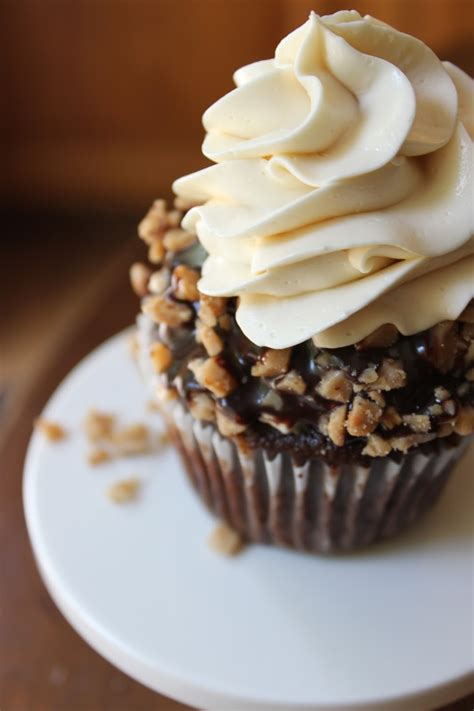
98 456
124 490
53 431
134 439
363 418
139 276
225 540
272 362
161 357
335 385
99 426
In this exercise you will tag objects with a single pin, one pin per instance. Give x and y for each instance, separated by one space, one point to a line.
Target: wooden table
64 291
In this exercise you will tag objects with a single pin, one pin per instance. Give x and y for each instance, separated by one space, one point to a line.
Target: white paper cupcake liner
314 507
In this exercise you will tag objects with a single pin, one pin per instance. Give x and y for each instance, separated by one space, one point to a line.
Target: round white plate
389 628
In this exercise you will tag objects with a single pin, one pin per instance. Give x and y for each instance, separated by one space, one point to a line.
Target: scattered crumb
53 431
225 540
134 439
98 456
110 441
125 490
99 426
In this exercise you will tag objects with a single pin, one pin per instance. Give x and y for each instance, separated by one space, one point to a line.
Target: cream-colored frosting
341 195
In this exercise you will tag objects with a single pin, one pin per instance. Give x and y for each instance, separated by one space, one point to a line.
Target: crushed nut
335 385
324 359
99 426
53 431
227 426
382 337
163 310
272 399
98 456
185 283
125 490
377 397
272 362
335 426
211 341
441 393
134 439
464 424
403 444
161 357
154 223
177 240
292 382
156 252
159 281
323 424
278 423
139 276
470 375
369 375
435 410
212 375
418 423
211 308
202 407
390 375
390 418
363 417
225 540
449 406
443 346
376 446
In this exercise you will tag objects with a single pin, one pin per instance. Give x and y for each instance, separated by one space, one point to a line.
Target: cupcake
307 323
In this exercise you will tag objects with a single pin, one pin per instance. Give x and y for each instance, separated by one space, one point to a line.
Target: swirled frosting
341 195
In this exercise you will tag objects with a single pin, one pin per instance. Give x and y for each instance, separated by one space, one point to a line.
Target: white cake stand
389 628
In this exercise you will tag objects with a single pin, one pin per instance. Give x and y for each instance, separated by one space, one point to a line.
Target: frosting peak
343 172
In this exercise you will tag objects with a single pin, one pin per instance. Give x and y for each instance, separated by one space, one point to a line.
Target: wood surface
65 296
103 98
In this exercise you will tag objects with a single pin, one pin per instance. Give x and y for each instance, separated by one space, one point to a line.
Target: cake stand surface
388 628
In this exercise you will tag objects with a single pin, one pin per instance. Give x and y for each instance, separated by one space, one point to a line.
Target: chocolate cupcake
309 327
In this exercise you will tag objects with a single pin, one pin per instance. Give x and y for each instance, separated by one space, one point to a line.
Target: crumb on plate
99 425
53 431
98 456
124 490
225 540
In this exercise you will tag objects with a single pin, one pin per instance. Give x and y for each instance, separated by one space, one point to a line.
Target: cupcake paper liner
314 507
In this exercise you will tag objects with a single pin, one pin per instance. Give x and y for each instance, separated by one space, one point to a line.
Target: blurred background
101 110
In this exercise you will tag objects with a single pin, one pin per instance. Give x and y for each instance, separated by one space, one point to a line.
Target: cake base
386 628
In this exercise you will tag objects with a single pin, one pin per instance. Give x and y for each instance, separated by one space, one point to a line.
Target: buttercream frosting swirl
341 195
